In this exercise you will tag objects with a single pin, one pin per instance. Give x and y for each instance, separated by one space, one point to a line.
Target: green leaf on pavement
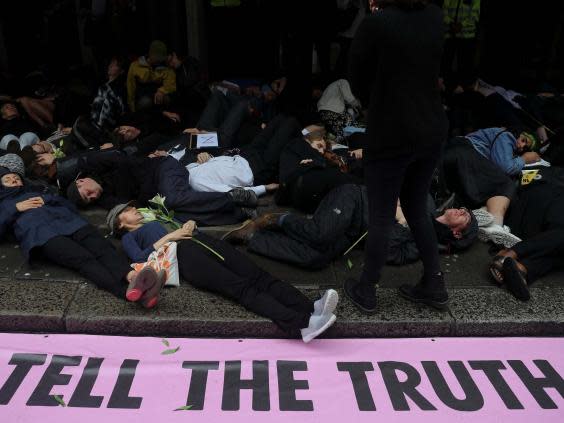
184 408
172 351
166 343
60 400
349 264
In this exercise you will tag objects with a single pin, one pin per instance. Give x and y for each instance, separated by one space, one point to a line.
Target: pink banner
100 379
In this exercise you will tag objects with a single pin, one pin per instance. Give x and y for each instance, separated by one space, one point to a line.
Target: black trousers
542 253
310 188
471 176
263 154
464 50
226 114
92 256
408 178
338 222
241 280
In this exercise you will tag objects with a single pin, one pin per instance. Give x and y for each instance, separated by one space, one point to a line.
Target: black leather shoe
365 303
515 280
421 294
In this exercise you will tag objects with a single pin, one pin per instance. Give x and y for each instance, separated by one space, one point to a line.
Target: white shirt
336 97
222 174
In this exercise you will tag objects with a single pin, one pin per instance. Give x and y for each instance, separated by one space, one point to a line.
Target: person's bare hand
180 234
45 159
272 187
193 131
189 227
204 157
175 117
357 154
306 161
29 204
106 146
158 153
159 97
531 157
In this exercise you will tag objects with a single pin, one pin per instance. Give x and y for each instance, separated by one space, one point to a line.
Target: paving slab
35 306
11 260
182 311
484 312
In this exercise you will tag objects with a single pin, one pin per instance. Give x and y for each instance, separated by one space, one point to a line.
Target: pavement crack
65 312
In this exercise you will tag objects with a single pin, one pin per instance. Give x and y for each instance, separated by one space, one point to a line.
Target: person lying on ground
16 132
506 150
232 275
340 220
49 225
253 166
536 215
473 168
108 178
309 170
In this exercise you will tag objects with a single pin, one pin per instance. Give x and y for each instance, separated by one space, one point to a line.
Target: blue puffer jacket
33 228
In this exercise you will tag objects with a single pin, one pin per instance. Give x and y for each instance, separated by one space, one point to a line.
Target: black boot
364 301
430 290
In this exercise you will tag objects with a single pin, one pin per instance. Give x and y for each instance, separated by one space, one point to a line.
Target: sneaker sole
441 306
153 292
500 238
331 303
145 283
319 331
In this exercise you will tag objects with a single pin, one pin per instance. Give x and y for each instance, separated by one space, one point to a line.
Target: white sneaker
326 304
483 217
498 235
317 325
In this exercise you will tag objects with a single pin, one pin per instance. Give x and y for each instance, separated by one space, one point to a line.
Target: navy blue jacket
33 228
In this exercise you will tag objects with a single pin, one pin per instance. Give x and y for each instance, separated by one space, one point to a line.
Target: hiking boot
515 280
268 221
242 234
327 303
483 217
499 235
365 302
430 291
145 279
151 297
317 325
244 197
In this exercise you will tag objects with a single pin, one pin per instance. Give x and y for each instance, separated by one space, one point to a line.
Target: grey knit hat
14 163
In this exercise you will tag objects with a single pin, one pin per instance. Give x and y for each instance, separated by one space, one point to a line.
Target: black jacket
394 67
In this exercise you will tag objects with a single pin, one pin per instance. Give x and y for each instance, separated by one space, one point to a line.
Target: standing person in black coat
394 65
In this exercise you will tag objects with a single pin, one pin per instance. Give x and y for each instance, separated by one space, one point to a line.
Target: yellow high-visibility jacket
141 72
468 17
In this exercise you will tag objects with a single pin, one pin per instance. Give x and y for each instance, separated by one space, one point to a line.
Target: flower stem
356 243
210 249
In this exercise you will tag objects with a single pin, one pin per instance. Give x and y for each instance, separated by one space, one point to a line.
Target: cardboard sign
93 379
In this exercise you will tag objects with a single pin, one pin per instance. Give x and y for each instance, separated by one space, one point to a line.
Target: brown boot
241 235
268 221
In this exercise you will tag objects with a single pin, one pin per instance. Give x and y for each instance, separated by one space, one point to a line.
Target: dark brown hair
403 4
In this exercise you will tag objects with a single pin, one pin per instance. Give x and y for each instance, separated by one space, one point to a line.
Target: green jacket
466 21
